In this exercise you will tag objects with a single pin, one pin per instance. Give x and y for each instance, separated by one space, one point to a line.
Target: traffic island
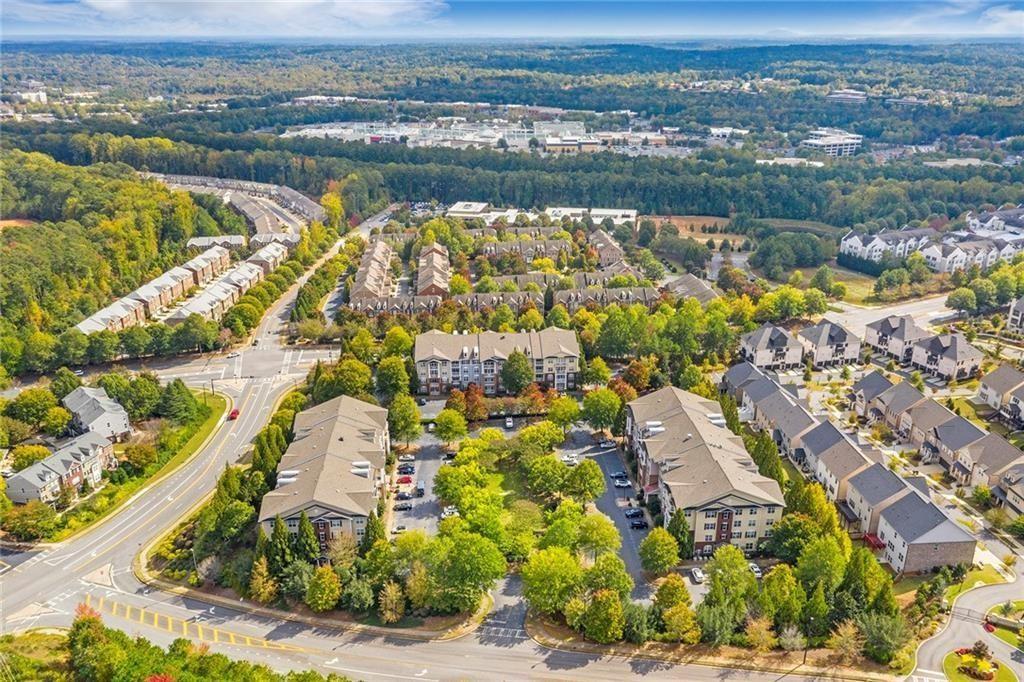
964 666
819 662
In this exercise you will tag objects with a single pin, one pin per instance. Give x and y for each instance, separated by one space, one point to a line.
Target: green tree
31 521
883 635
821 563
324 590
64 381
397 342
307 548
679 529
609 573
24 456
600 408
962 300
450 426
604 620
659 551
760 636
31 406
392 378
463 566
671 592
358 595
585 481
598 535
782 598
279 550
373 532
564 412
597 372
681 624
517 372
790 535
404 419
550 577
730 582
815 614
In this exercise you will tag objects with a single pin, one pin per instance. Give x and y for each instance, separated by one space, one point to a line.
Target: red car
234 414
404 479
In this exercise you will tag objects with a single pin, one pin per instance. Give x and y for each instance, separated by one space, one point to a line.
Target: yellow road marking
168 623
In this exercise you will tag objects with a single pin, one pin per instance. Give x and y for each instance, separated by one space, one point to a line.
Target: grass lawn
969 411
910 584
812 226
1007 635
951 661
35 655
218 405
986 575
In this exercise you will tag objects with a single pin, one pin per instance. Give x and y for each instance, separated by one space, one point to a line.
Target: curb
22 547
549 642
952 605
142 574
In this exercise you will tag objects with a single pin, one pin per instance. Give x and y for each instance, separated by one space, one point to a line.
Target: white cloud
285 18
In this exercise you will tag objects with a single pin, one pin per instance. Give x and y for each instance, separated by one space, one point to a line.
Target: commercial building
446 361
333 470
832 142
692 463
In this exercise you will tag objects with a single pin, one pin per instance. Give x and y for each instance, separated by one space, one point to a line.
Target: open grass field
16 222
812 226
986 575
690 226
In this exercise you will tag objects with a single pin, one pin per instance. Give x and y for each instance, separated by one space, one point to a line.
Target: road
925 311
965 628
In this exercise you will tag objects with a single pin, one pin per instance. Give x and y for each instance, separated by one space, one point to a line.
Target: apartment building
518 301
894 336
828 344
208 264
952 256
895 244
530 249
890 405
333 470
231 242
121 314
1004 219
396 305
270 257
691 462
917 536
446 361
946 356
985 461
691 286
1015 316
920 420
771 347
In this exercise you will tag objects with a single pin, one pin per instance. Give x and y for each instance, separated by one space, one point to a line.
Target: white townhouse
949 257
827 344
947 356
1015 316
894 336
1007 219
897 244
998 385
771 347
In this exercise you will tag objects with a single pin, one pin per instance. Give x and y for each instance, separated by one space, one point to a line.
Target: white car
449 512
407 458
398 530
755 569
430 427
233 354
509 423
608 444
570 460
698 575
623 483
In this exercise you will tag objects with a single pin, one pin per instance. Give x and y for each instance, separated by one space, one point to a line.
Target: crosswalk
922 675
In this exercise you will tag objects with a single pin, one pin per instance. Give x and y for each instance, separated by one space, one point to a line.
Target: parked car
755 569
608 444
634 513
398 530
407 458
422 402
233 354
403 506
623 483
698 575
431 427
403 496
618 474
570 460
449 512
78 372
639 524
404 480
234 414
509 423
406 469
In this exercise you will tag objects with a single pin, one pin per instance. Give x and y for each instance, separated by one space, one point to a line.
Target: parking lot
426 511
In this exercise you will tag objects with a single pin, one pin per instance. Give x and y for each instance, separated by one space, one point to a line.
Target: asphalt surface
925 311
426 510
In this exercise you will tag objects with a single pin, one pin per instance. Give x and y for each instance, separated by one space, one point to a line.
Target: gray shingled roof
872 385
900 397
957 433
1003 378
826 333
769 336
740 375
822 437
917 520
89 404
899 327
952 346
876 483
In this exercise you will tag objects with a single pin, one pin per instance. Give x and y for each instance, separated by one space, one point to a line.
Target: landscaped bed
954 662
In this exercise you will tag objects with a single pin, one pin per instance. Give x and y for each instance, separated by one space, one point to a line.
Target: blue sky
444 19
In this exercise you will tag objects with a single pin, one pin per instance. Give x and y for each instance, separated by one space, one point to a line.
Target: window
749 545
710 514
738 512
752 522
709 538
709 526
737 535
737 523
750 534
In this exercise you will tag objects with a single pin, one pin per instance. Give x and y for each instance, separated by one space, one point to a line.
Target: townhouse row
825 344
894 515
100 422
945 356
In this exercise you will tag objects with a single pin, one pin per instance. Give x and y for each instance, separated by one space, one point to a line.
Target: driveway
612 503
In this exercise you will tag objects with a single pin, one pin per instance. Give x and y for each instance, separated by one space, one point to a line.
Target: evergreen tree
279 550
815 615
680 530
324 590
306 548
177 403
